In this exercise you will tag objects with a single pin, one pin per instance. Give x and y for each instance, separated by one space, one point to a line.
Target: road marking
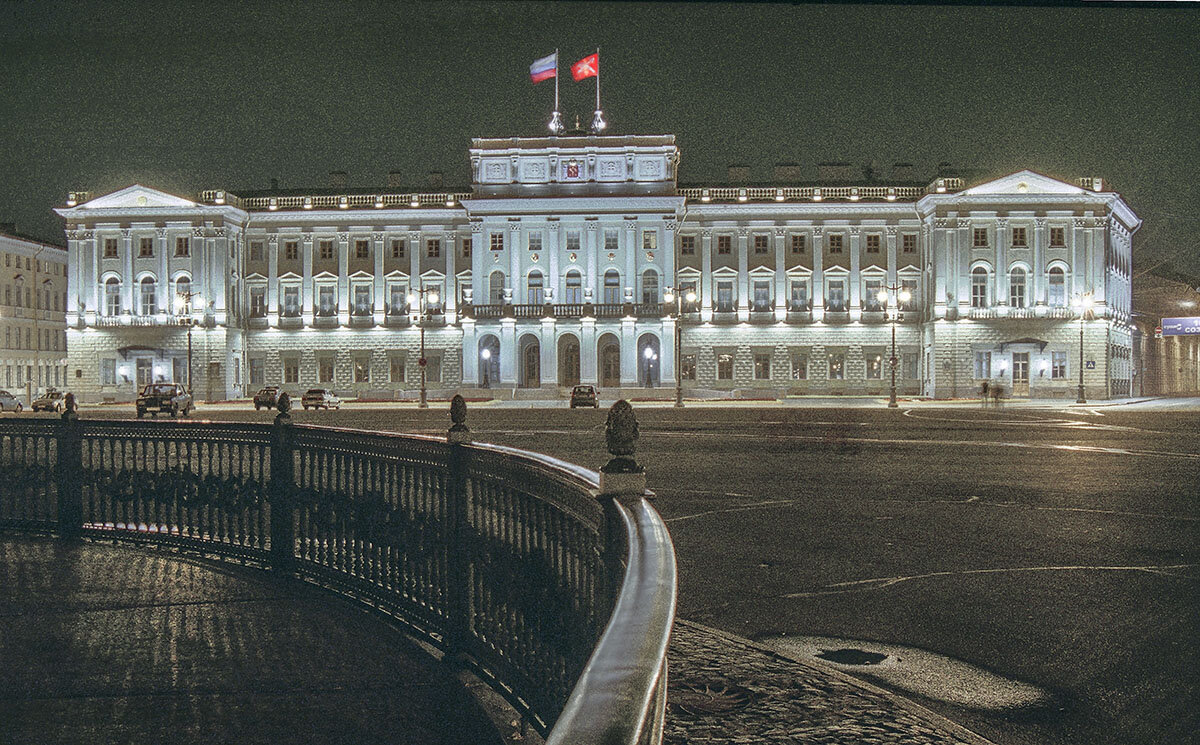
879 583
739 508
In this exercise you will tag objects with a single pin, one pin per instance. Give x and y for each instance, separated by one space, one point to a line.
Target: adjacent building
572 259
32 315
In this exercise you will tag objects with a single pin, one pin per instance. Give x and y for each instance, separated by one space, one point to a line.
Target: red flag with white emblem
588 67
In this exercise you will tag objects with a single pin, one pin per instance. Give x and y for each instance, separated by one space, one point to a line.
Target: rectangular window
908 243
799 244
871 290
836 241
291 301
362 369
535 241
362 249
433 248
687 367
1058 237
257 377
433 368
397 248
1058 289
572 240
799 295
362 300
687 245
873 244
397 298
725 244
979 288
874 361
1058 365
325 369
326 300
326 249
835 297
145 248
256 250
1018 238
183 246
396 367
762 296
291 370
725 366
725 296
979 238
761 244
908 365
799 366
291 250
837 366
612 240
909 286
497 241
762 366
983 365
649 240
466 248
110 248
258 302
108 372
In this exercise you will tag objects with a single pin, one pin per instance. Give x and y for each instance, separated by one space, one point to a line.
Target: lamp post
902 296
673 297
1084 304
427 296
183 306
486 354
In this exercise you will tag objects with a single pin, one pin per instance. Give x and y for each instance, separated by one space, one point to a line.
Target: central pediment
136 196
1024 182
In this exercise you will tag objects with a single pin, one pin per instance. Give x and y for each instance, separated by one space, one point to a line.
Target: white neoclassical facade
32 316
553 270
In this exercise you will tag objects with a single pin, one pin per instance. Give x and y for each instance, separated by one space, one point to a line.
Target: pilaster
743 274
818 275
706 289
855 273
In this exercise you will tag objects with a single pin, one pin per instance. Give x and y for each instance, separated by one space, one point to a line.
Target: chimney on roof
904 172
739 174
836 171
787 173
435 180
274 184
338 179
395 180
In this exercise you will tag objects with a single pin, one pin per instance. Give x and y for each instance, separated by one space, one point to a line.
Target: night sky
183 97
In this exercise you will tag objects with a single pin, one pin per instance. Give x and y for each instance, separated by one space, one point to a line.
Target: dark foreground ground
1056 548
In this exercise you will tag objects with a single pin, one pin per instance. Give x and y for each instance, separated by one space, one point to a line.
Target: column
1096 244
632 247
962 245
343 280
587 351
629 353
549 353
1038 280
855 273
780 275
667 250
508 351
666 352
165 297
591 252
306 247
450 291
1001 254
818 275
479 270
379 291
892 231
554 252
414 263
127 286
273 280
705 289
89 277
217 268
512 243
470 354
743 275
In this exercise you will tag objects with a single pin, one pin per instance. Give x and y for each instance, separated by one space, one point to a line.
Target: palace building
554 269
32 315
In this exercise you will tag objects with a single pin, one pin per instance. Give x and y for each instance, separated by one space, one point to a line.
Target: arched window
1016 287
148 305
112 297
574 293
535 294
612 287
650 287
183 299
1057 295
496 289
979 287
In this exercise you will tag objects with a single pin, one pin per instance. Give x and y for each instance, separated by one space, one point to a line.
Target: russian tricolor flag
545 68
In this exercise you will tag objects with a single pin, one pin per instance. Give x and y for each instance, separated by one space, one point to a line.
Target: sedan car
585 395
320 398
266 398
49 401
9 402
168 398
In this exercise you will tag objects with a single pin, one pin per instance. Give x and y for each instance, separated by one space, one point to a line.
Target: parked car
9 402
49 401
168 398
320 398
266 398
585 395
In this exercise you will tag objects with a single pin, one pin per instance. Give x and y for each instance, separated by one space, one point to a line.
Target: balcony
837 314
568 310
325 318
762 314
528 311
873 315
397 319
648 310
608 310
494 310
982 314
362 317
257 322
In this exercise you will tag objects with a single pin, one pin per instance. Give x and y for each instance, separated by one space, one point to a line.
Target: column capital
780 232
1039 222
892 231
160 232
377 237
706 232
742 232
477 226
343 236
855 230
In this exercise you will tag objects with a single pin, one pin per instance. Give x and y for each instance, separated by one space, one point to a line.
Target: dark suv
266 398
585 395
168 398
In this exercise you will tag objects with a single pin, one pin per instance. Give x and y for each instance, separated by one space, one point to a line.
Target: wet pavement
122 644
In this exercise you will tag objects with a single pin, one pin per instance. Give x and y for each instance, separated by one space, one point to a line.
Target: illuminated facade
552 270
32 316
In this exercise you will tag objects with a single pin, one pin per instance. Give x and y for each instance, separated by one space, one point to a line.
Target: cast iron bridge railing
513 563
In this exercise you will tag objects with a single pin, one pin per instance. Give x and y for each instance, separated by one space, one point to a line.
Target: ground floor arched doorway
530 373
608 353
489 361
649 362
568 360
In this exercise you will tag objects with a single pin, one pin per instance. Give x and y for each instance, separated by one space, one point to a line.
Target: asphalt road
1055 548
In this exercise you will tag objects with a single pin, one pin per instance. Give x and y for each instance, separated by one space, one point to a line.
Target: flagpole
556 126
556 79
598 123
597 78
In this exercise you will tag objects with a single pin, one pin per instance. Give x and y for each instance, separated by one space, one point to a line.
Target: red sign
421 362
572 170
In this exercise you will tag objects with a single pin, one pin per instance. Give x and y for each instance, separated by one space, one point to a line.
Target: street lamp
428 297
672 297
902 296
1083 304
650 356
183 305
486 354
